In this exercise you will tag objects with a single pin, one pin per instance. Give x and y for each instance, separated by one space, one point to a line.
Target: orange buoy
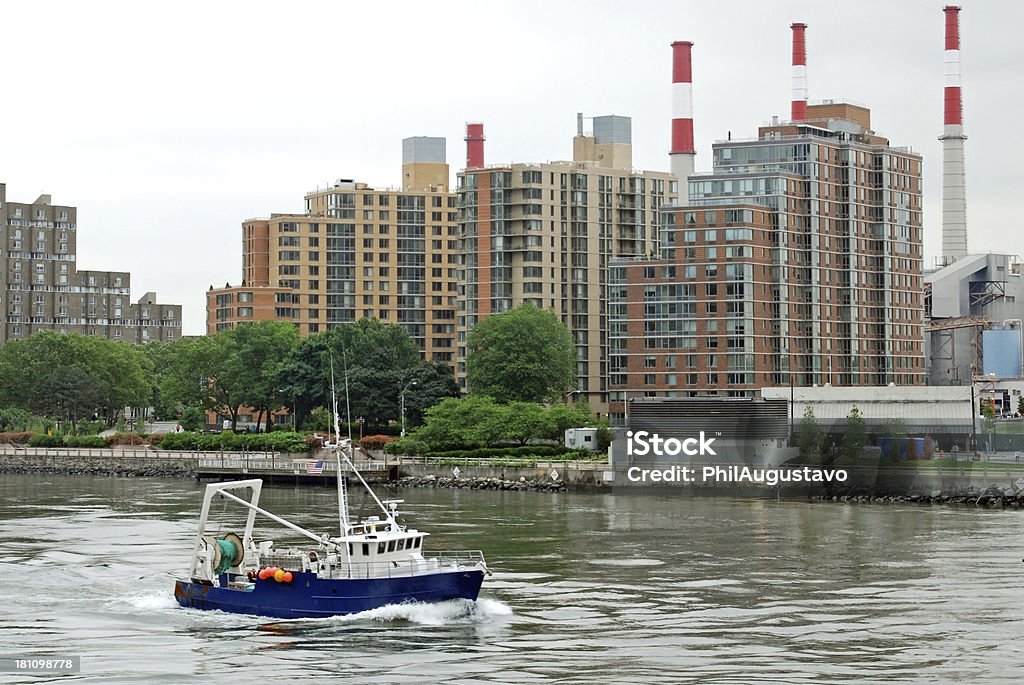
264 572
279 575
287 576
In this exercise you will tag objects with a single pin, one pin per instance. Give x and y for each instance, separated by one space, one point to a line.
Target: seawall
87 463
553 476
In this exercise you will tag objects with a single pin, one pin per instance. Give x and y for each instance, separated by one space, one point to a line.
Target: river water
587 588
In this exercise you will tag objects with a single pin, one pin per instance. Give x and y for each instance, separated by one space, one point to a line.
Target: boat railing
460 557
432 562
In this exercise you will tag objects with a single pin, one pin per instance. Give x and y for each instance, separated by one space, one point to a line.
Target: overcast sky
168 124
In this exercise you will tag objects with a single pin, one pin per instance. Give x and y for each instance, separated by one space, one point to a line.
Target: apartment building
798 260
357 252
44 290
544 233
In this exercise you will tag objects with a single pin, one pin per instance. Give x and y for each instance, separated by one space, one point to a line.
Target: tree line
522 356
265 366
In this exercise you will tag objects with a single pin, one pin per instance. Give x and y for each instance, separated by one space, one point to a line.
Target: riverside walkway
220 465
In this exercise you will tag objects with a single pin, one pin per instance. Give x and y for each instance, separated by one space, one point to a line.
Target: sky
168 124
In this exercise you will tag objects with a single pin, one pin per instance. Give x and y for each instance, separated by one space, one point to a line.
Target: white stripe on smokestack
798 110
954 193
682 153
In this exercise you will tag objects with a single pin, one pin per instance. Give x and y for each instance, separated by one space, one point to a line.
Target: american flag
314 468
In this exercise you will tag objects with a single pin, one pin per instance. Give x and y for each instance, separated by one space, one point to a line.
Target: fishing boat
373 562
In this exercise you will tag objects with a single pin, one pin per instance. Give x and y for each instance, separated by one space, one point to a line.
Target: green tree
478 421
435 381
895 429
256 361
855 437
72 377
13 419
447 423
199 375
379 361
988 421
809 437
525 421
525 354
560 417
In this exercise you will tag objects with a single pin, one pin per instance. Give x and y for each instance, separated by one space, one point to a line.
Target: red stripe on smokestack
682 71
954 109
682 98
799 44
952 27
474 146
682 136
798 110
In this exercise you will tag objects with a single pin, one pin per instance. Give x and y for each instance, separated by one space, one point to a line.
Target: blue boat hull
308 596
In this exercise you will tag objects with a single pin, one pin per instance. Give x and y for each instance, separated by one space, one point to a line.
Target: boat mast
342 492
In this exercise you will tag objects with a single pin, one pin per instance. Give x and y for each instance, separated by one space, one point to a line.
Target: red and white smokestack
474 145
799 104
954 195
682 154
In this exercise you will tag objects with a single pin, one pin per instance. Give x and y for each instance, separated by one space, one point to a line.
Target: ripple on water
616 590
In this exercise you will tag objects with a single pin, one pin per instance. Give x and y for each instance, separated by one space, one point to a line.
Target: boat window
417 542
366 549
381 546
401 544
350 549
391 546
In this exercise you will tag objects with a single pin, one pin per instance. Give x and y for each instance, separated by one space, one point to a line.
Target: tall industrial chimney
954 196
682 153
799 104
474 145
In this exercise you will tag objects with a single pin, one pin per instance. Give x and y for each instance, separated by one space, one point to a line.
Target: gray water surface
586 589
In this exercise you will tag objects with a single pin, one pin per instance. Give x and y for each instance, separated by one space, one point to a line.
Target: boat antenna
388 513
342 492
348 406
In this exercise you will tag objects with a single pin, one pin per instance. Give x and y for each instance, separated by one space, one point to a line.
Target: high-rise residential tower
544 234
44 290
356 252
798 261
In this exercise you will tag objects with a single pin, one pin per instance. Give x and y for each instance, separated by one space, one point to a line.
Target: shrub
14 419
179 441
43 440
523 451
90 427
126 439
376 442
84 441
16 437
278 441
407 445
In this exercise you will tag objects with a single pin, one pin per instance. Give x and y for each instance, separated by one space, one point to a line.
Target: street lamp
404 390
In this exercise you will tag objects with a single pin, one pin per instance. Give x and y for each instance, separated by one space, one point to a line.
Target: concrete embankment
88 464
992 499
556 476
481 483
